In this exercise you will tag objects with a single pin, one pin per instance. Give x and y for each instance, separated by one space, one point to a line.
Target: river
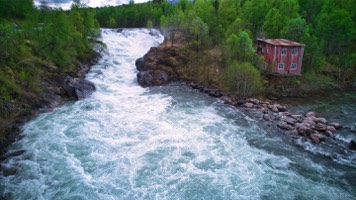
171 142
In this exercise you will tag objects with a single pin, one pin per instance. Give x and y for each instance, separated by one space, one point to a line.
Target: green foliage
34 44
244 79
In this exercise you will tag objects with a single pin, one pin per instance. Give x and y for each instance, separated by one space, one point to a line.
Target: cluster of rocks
317 129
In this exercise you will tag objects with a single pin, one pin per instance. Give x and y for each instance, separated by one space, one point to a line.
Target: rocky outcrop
160 66
316 129
152 78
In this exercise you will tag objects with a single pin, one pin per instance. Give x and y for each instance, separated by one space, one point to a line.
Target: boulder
319 127
284 125
249 105
252 100
320 120
303 129
83 88
317 138
274 109
331 129
352 145
336 125
310 114
140 64
281 108
240 102
152 78
227 100
266 117
289 120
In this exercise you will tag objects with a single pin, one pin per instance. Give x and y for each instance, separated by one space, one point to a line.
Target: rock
254 101
352 145
140 64
83 88
317 138
320 120
289 120
11 154
303 129
299 118
331 129
309 121
274 109
329 133
266 117
336 125
281 108
319 127
310 114
215 93
152 78
285 126
119 30
227 100
249 105
240 102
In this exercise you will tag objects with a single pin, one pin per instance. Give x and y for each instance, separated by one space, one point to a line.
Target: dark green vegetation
224 31
35 47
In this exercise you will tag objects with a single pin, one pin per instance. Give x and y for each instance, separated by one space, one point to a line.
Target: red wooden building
281 57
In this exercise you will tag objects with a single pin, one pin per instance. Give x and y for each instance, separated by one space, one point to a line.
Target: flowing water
171 142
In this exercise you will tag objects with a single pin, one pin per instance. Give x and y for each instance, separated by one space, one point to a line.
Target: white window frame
294 51
280 66
284 50
295 66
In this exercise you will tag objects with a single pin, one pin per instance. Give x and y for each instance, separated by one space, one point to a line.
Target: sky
65 4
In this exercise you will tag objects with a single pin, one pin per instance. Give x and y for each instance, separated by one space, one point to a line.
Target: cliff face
160 66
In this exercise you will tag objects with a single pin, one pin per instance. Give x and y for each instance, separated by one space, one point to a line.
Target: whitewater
170 142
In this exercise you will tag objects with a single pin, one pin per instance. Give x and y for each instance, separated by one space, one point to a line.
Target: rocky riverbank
161 65
56 88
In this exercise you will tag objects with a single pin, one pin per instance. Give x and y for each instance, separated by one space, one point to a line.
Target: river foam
128 142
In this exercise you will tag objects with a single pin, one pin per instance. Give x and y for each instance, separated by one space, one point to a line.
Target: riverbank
56 88
164 64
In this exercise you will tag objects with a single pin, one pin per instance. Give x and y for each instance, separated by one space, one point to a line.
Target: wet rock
249 105
281 108
240 102
303 129
319 127
274 109
289 120
310 114
83 88
227 100
8 171
317 138
352 145
152 78
284 125
215 93
266 117
329 133
140 64
299 118
254 101
331 129
320 120
336 125
11 154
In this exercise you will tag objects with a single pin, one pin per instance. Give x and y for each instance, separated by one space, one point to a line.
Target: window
293 66
284 52
294 51
281 66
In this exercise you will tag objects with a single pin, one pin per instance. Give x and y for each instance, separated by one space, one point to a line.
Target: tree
199 32
244 79
274 23
295 29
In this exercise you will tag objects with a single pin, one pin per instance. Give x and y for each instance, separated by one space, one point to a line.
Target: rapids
171 142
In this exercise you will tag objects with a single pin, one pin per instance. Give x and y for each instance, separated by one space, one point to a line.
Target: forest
227 29
218 35
37 45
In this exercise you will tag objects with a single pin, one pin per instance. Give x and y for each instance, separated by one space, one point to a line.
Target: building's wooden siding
273 58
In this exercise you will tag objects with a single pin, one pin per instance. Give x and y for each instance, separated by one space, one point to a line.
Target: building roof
281 42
